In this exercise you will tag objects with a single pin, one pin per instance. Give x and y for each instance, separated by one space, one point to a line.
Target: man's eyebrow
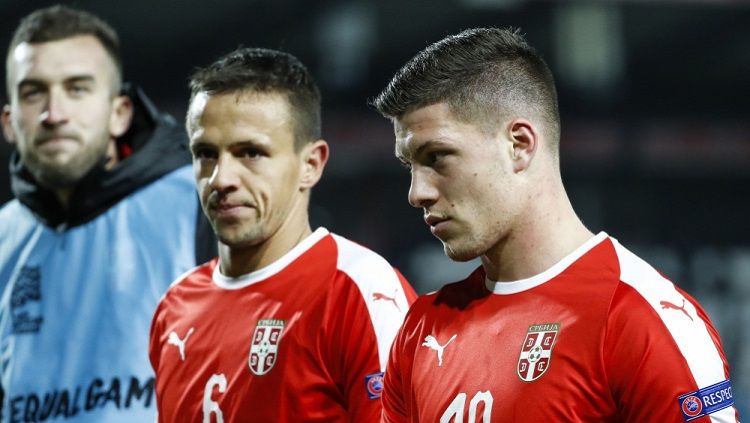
80 78
200 143
431 143
41 83
408 157
31 82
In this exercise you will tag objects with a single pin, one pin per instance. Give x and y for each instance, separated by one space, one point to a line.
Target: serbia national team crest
264 350
536 352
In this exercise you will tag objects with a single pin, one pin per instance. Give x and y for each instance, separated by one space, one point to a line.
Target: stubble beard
460 255
53 174
469 244
239 238
462 252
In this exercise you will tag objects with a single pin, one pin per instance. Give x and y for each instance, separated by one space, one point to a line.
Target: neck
547 231
240 260
63 194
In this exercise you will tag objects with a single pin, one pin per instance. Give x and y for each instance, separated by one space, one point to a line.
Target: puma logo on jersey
380 296
432 343
179 343
666 305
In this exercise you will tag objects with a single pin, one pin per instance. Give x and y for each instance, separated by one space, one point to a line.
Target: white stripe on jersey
374 275
691 337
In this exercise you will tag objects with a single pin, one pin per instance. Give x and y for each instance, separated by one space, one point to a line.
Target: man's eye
250 153
434 157
78 89
30 94
204 154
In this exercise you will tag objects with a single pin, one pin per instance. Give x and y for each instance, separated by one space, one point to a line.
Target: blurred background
654 95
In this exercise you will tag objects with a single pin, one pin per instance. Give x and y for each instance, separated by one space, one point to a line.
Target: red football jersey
303 339
599 337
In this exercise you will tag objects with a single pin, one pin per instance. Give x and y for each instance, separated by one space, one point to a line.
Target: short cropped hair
266 71
482 74
59 22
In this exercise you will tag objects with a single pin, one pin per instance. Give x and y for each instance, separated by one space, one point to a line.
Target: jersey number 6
210 406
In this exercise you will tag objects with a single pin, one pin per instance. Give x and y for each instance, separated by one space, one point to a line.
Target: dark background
655 98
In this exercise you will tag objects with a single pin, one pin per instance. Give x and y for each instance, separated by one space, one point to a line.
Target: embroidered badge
705 401
264 349
25 301
374 385
536 352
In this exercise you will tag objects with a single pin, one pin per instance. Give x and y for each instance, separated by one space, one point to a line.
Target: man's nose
56 109
422 192
223 177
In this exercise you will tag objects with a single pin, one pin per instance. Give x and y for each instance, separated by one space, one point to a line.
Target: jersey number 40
457 408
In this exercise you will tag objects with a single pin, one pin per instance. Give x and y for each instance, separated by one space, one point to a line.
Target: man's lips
53 139
433 220
221 207
228 208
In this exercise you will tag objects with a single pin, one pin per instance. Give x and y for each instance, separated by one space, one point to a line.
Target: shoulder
352 256
375 277
641 291
11 209
656 332
172 196
363 266
190 282
646 302
177 181
448 301
18 230
17 223
641 277
164 211
14 217
372 286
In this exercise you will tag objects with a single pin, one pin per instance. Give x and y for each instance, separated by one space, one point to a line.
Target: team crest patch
536 352
25 301
264 350
705 401
374 385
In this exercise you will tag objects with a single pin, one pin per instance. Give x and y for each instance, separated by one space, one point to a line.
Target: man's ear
121 116
315 157
8 132
525 141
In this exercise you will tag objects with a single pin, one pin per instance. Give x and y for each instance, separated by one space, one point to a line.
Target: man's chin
456 253
57 178
237 242
59 171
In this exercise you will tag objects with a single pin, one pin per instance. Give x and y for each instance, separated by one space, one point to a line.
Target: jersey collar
248 279
514 287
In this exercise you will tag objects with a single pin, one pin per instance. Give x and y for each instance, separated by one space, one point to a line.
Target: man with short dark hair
558 324
287 324
105 216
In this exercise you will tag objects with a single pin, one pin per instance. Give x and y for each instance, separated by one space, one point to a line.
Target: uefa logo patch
374 385
264 350
692 406
536 351
706 400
